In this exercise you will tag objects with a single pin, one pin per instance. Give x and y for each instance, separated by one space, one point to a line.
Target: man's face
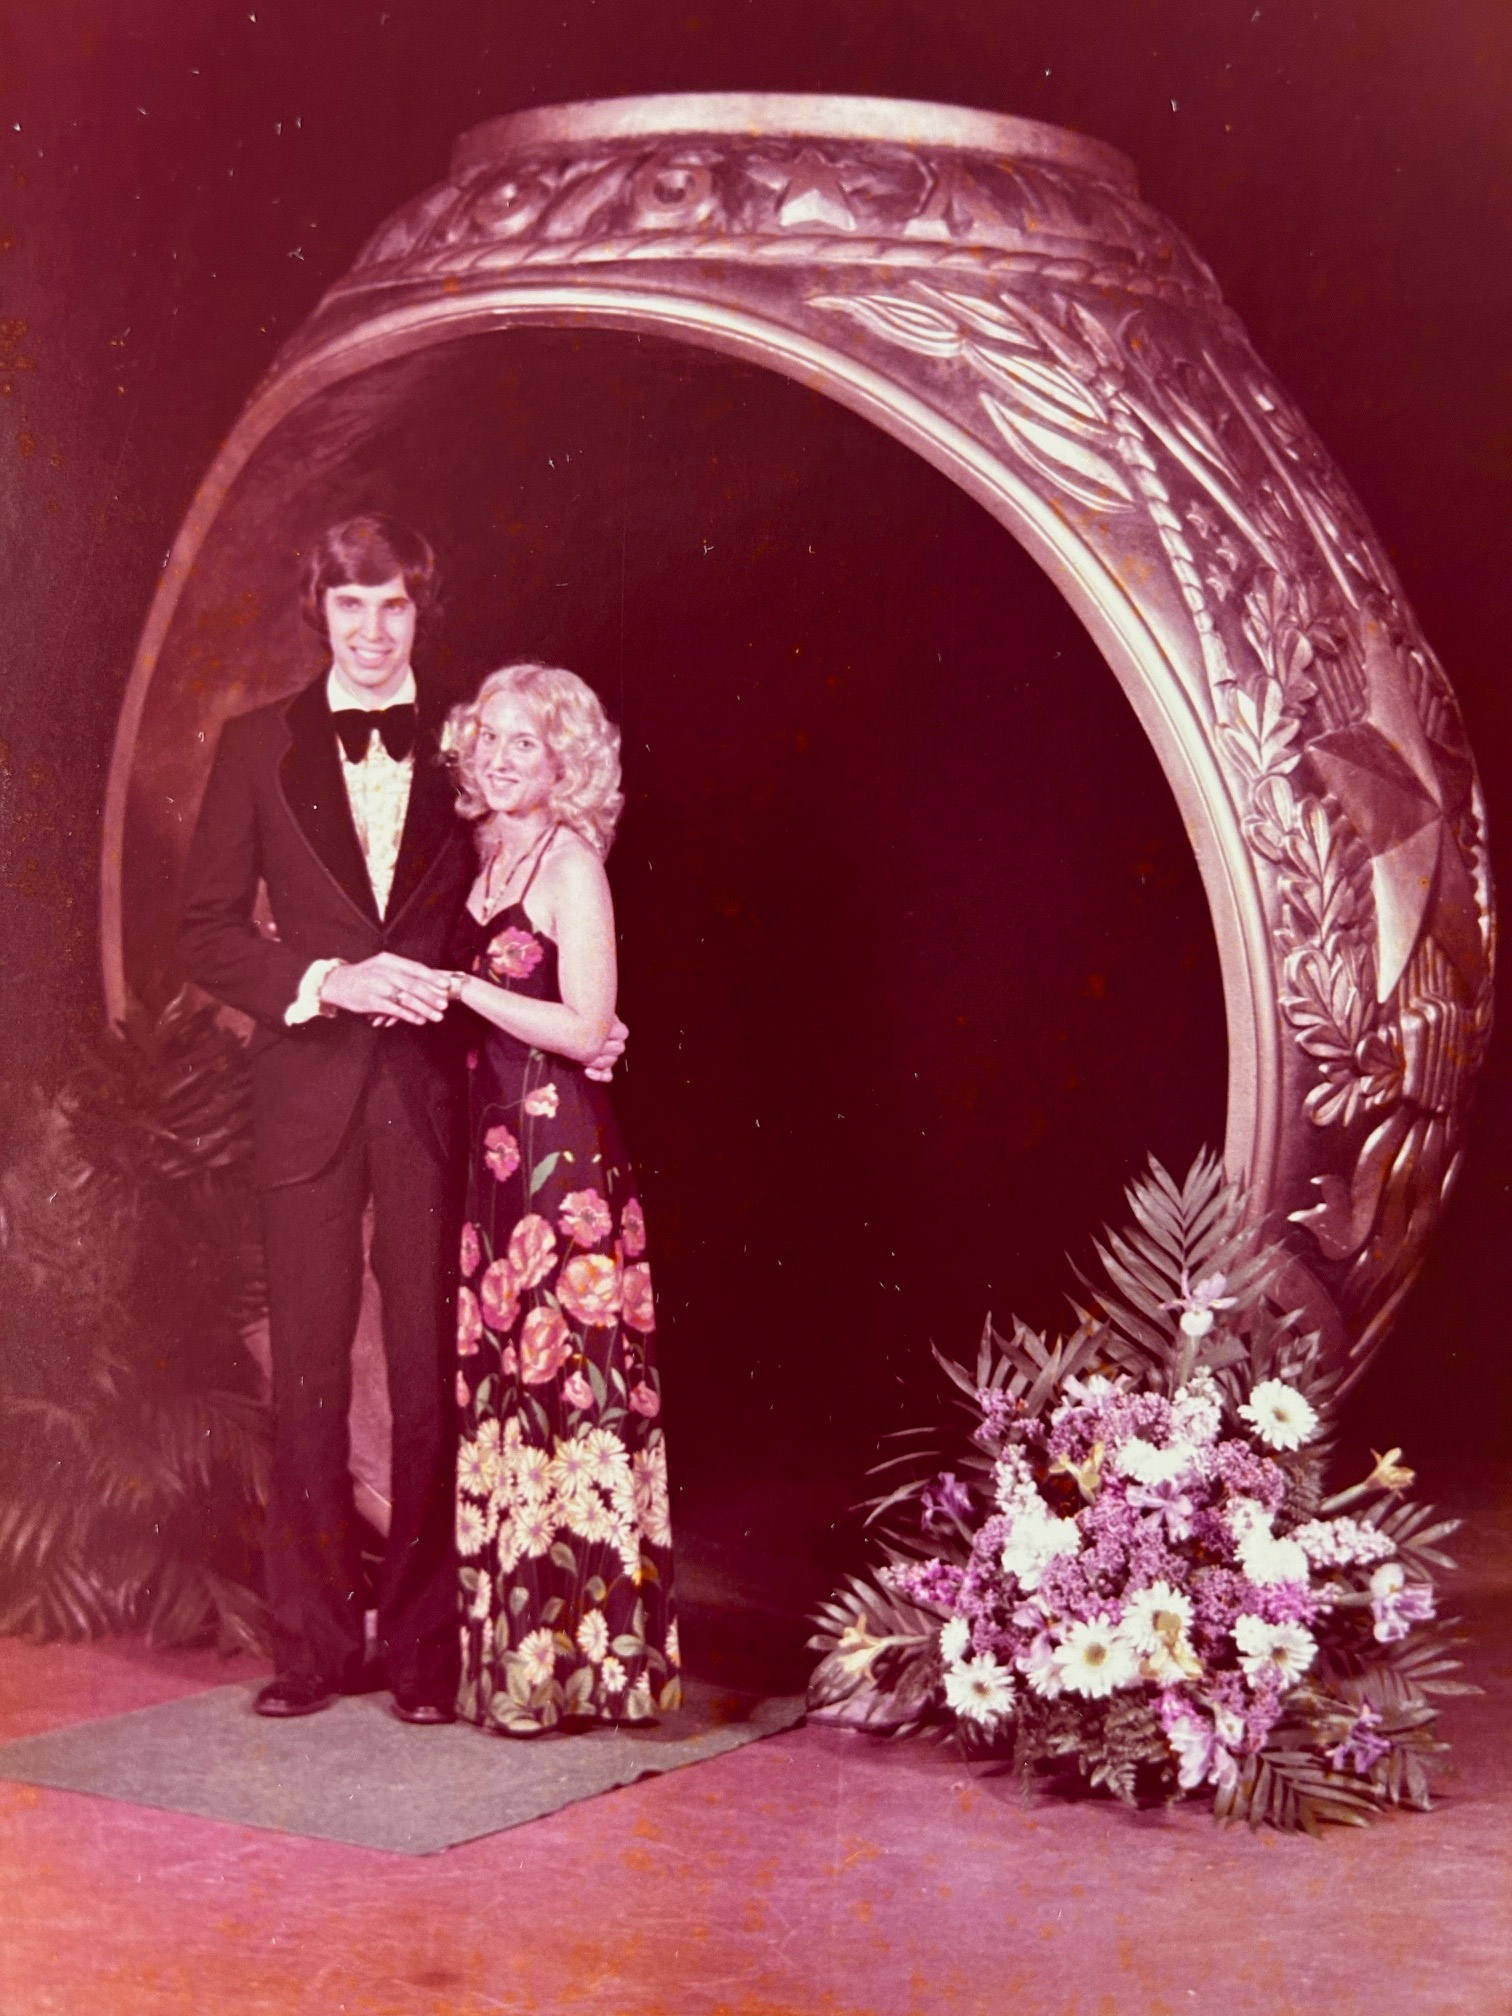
372 631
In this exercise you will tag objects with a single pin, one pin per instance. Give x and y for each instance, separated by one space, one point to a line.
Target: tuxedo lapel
430 822
309 775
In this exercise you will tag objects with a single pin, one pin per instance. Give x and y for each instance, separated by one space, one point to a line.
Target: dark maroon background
889 814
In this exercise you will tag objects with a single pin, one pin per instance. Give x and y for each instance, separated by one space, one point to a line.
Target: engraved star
1383 772
809 192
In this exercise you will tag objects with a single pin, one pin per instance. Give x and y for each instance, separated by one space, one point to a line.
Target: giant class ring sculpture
994 293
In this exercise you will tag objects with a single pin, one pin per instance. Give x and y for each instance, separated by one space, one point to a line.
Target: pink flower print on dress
589 1288
542 1103
633 1229
463 1396
471 1252
576 1391
501 1152
545 1346
635 1298
509 1360
585 1217
645 1400
532 1248
514 954
469 1323
500 1296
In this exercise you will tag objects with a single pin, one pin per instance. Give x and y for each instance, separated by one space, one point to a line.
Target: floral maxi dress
562 1513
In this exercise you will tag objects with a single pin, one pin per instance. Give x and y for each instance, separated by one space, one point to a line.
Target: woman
562 1520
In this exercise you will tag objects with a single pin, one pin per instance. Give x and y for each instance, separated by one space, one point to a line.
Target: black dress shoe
414 1707
293 1694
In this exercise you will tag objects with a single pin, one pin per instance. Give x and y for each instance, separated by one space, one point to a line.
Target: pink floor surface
812 1874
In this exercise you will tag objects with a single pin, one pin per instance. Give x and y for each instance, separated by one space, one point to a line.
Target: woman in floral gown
562 1520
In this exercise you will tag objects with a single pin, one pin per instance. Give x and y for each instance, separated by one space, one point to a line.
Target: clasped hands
388 988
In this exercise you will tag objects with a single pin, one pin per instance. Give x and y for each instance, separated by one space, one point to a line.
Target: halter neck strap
549 836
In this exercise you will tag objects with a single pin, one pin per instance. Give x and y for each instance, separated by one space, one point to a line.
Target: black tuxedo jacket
275 811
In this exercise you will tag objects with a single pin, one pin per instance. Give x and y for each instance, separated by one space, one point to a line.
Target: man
335 800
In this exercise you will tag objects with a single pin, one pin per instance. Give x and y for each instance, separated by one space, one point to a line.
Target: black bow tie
396 725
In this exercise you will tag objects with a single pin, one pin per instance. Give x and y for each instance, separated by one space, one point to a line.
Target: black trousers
312 1235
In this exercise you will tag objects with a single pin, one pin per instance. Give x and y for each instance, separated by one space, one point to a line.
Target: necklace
492 891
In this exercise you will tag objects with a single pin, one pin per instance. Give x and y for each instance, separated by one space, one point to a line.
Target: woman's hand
602 1067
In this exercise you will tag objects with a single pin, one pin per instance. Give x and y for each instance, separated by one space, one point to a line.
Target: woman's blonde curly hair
577 732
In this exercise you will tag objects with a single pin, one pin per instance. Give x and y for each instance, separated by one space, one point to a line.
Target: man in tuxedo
335 800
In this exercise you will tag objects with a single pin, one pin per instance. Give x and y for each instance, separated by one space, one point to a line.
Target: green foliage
1114 1746
879 1670
133 1446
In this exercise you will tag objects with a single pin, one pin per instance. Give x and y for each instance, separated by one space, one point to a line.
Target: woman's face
515 771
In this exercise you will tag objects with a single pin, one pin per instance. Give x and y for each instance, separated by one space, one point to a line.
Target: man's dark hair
369 550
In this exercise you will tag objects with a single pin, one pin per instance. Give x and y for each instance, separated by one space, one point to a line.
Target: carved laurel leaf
1066 460
913 324
994 319
1053 393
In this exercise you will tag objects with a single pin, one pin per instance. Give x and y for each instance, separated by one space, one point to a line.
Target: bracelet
455 982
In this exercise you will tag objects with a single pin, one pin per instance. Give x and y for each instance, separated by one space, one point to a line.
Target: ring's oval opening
916 956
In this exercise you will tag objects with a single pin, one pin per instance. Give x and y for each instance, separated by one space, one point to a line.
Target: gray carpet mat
356 1774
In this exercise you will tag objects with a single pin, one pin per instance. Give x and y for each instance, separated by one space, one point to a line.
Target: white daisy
1285 1650
1159 1615
470 1534
606 1457
581 1511
538 1651
613 1675
536 1527
510 1544
652 1505
530 1475
1094 1658
980 1690
571 1467
593 1635
955 1640
1279 1415
1156 1622
472 1470
1039 1668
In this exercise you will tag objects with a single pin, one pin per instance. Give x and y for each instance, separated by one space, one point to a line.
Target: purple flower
1203 1749
935 1584
1198 1300
946 1497
1285 1602
1249 1475
1361 1748
1397 1604
1171 1501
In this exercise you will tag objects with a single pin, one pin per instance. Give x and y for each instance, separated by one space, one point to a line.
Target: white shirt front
377 787
378 790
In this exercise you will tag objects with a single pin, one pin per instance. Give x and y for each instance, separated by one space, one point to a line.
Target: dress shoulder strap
535 866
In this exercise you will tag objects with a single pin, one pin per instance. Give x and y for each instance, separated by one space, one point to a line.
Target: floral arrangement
1133 1577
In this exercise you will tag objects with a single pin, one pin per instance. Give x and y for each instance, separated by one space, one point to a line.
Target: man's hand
602 1067
389 988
